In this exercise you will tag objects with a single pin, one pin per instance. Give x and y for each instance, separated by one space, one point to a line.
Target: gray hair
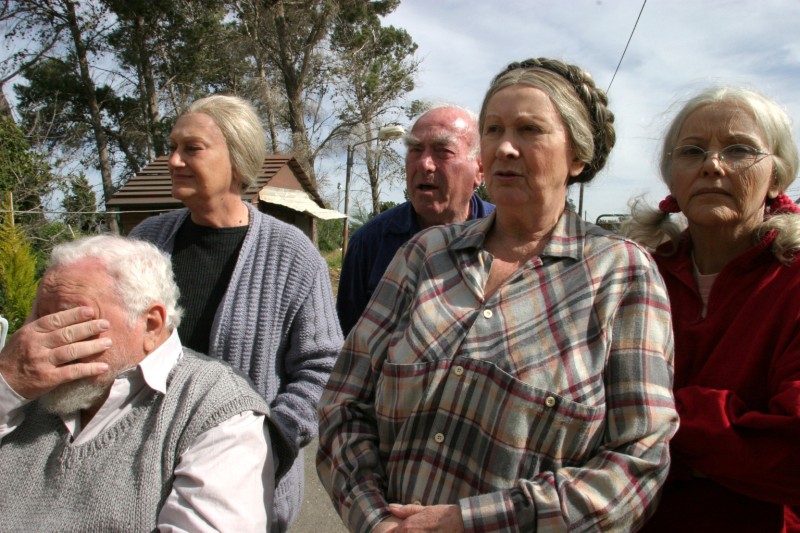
582 105
652 227
771 119
142 273
243 132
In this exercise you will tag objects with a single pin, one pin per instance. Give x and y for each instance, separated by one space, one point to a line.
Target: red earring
669 205
781 204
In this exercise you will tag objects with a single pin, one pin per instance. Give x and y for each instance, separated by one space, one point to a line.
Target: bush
17 271
329 234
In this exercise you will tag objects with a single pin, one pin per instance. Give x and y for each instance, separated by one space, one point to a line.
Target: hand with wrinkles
419 518
47 352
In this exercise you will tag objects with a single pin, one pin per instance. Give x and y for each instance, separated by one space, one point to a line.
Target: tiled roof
152 186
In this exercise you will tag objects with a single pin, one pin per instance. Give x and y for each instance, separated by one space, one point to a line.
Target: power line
626 46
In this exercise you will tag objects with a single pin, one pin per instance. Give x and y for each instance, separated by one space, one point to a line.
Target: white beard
73 397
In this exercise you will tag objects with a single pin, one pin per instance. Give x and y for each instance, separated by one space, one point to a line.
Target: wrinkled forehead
432 138
726 120
439 134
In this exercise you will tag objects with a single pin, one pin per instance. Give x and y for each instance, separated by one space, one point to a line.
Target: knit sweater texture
277 323
120 480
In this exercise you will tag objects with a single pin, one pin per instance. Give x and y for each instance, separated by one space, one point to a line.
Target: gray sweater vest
120 480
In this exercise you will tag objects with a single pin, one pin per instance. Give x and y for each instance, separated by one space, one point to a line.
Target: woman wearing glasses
734 287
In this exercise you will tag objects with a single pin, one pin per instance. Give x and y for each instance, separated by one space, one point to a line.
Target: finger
69 373
77 332
404 511
79 350
62 319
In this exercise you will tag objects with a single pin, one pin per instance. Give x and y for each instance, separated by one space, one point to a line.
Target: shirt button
550 401
487 313
438 438
416 502
458 370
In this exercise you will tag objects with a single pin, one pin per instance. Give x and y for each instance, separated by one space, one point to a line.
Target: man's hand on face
47 352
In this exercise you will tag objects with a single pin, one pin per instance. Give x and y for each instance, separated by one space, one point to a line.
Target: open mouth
426 187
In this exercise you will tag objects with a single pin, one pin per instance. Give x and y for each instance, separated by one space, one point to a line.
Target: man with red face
443 169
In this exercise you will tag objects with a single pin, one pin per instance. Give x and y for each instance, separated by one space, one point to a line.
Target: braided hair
581 104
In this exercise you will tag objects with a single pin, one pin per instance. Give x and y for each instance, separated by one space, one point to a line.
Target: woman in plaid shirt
515 372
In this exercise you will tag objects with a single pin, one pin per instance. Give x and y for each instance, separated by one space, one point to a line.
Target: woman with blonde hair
255 291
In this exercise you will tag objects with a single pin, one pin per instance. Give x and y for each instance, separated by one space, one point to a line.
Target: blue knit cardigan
277 323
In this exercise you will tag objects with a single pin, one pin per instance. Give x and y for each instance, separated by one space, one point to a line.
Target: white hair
652 227
142 273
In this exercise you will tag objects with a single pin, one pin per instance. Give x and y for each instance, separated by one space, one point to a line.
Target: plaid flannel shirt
545 407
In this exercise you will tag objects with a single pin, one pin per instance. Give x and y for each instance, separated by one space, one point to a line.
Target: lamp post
386 133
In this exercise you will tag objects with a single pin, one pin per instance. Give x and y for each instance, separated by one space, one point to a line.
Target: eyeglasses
733 157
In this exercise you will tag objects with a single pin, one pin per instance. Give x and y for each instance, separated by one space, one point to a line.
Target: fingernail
107 342
104 324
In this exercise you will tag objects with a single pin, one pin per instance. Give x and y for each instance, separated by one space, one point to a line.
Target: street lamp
386 133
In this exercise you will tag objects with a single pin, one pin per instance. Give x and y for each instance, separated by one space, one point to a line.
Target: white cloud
679 47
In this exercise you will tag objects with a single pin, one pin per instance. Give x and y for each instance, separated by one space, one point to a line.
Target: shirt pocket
496 426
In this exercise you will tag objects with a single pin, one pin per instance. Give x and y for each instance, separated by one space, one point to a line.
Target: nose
712 163
426 163
507 150
175 159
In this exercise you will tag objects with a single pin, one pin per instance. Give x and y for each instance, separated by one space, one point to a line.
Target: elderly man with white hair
108 423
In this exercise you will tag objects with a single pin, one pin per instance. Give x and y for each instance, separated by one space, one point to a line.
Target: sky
679 47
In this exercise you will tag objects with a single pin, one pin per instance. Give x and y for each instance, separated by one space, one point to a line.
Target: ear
479 174
774 188
576 166
155 327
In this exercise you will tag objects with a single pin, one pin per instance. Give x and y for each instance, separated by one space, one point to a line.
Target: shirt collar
406 222
152 372
567 239
155 368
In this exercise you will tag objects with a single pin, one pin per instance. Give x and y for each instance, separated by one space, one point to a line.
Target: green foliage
329 234
45 237
417 108
80 204
18 279
26 177
375 68
23 172
482 193
384 206
104 79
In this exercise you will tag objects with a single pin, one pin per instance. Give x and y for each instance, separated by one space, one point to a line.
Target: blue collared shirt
370 251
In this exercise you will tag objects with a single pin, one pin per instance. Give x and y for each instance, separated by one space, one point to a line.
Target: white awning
299 201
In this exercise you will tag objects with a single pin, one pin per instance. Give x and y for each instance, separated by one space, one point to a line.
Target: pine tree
17 270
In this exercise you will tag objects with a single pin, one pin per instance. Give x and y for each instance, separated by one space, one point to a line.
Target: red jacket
736 456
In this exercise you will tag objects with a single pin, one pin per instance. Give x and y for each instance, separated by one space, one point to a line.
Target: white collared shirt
224 480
